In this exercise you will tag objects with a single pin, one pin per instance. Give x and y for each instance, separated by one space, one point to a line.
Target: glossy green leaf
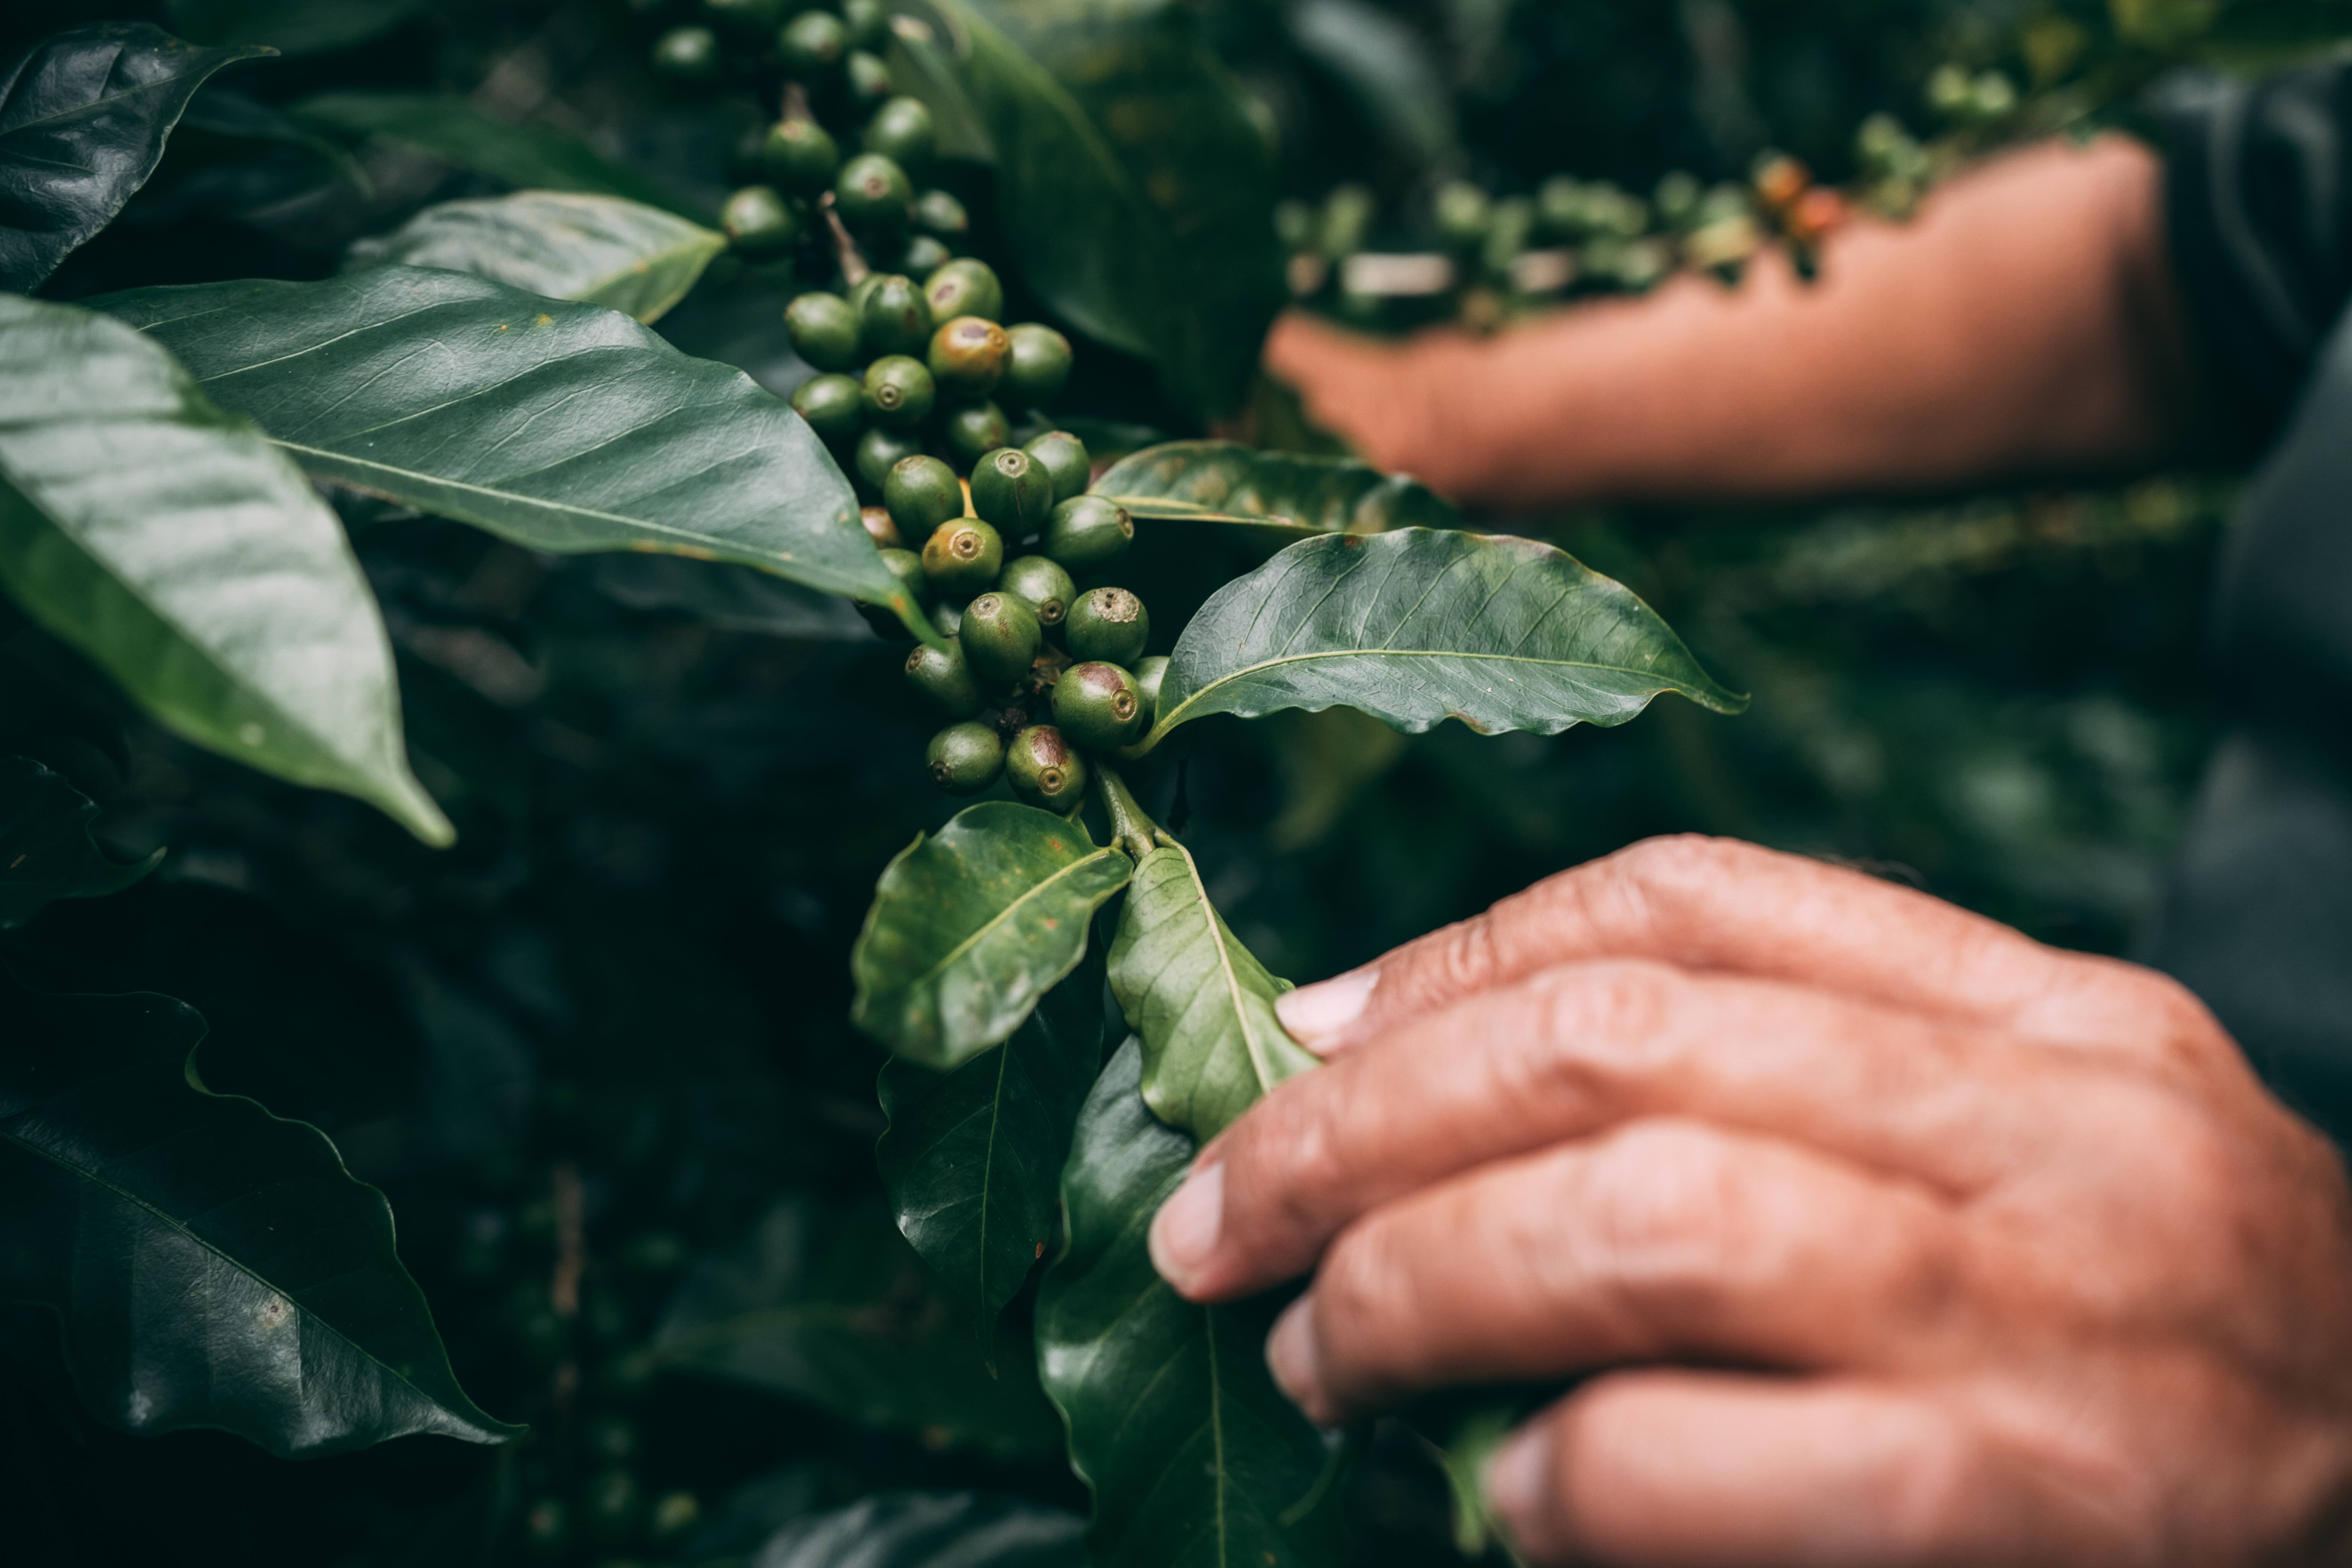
184 556
1193 1456
83 117
827 1304
972 1158
1202 1004
931 1529
971 926
1296 496
564 428
602 251
211 1265
291 26
46 849
1425 624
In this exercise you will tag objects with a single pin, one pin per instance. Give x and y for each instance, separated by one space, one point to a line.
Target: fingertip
1182 1239
1321 1016
1518 1485
1294 1358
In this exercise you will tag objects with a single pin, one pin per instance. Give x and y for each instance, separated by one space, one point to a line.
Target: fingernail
1183 1234
1316 1015
1518 1479
1290 1355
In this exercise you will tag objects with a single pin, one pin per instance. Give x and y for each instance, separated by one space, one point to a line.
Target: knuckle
1664 1209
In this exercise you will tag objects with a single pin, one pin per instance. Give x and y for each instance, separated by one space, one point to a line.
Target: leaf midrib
1259 1068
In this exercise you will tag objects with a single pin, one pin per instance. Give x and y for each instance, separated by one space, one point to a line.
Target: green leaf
1135 189
827 1304
46 849
528 157
212 1265
973 925
931 1529
602 250
1425 625
291 26
1202 1004
83 117
1288 495
972 1158
183 555
1193 1456
1389 68
564 428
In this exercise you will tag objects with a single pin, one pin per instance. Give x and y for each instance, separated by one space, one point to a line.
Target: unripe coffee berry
898 392
1106 624
973 430
869 79
901 130
879 451
966 356
811 46
1011 490
1097 706
1150 674
1037 365
924 253
938 211
964 556
833 406
923 493
1044 769
947 618
892 318
687 54
824 330
873 194
945 677
1000 637
758 223
800 155
1087 532
867 22
965 287
965 759
1044 585
1064 458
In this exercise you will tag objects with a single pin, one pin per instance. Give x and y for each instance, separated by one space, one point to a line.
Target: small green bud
867 23
833 406
800 155
758 223
1064 457
811 46
873 195
907 568
923 493
686 54
898 392
938 213
966 356
1044 584
1097 706
972 430
823 330
1000 637
965 759
893 319
869 79
1038 365
880 450
1106 624
1044 769
963 555
944 676
965 287
901 130
1087 532
1011 490
1149 675
925 254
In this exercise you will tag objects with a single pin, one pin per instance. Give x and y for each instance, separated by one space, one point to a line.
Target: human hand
1396 402
1908 1239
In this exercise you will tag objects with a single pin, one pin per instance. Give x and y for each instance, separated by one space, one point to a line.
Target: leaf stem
1131 826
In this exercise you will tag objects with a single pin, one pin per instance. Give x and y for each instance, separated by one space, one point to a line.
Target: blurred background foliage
597 1052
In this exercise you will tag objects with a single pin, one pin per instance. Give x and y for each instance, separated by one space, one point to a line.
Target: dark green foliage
1088 531
921 493
750 20
1108 624
1011 490
1149 675
892 318
824 330
931 1529
963 555
966 356
941 674
833 406
964 759
898 392
759 223
1063 458
1044 769
1098 706
965 287
1043 584
1001 636
1037 365
46 849
800 155
972 430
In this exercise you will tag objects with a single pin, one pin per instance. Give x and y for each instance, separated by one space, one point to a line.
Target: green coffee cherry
859 291
1149 675
833 406
811 46
1044 584
753 18
867 22
965 759
687 54
823 329
1011 490
1462 212
966 356
1088 531
965 287
869 79
907 568
941 674
898 392
947 618
758 223
1038 365
1044 769
893 319
800 155
1097 706
1000 637
901 130
1106 624
974 430
938 213
1064 458
880 450
921 493
963 555
873 195
925 253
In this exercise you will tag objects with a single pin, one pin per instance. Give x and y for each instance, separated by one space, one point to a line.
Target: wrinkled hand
1911 1240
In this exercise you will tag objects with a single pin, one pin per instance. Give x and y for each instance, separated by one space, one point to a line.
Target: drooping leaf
291 26
46 849
1388 68
1290 494
184 556
931 1529
561 427
83 117
971 926
211 1265
602 250
827 1304
1193 1456
1202 1006
972 1158
1425 624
